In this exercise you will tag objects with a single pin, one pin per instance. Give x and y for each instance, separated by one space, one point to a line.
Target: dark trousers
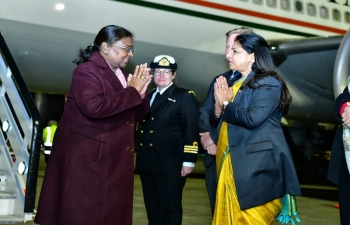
47 148
344 194
162 193
210 179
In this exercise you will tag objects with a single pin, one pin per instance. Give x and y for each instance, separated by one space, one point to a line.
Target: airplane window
298 6
285 4
324 12
271 3
311 9
336 15
258 2
347 17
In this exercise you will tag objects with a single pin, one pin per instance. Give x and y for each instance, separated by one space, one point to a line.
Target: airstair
20 142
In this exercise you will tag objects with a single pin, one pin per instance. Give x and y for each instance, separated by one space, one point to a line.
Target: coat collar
250 75
227 74
100 62
239 93
164 97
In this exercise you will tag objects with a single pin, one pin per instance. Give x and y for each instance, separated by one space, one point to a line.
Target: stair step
5 195
7 219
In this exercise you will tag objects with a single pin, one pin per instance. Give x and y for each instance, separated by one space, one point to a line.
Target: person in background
48 134
207 128
168 144
89 179
338 172
254 164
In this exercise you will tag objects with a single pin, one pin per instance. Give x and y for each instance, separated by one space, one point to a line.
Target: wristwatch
224 104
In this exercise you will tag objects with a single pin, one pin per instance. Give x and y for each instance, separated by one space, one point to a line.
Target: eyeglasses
164 72
128 49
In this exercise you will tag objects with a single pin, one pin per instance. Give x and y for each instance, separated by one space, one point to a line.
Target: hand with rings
221 91
140 79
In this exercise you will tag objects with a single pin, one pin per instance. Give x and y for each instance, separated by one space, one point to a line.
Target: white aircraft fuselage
44 41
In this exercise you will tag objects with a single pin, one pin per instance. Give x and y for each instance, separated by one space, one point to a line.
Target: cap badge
164 62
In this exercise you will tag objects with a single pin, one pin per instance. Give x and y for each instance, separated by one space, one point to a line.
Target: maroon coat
90 174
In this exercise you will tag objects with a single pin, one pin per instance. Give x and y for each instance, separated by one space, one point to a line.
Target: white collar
164 89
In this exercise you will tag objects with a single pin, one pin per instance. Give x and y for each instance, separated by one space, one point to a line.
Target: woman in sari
256 174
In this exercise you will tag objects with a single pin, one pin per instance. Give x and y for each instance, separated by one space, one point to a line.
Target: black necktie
155 98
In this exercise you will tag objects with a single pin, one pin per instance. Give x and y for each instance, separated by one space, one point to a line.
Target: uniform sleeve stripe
191 146
191 149
194 152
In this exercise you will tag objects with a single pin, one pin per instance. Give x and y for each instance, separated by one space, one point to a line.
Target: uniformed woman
168 144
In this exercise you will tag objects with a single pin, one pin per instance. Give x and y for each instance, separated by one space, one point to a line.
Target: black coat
207 121
338 147
169 133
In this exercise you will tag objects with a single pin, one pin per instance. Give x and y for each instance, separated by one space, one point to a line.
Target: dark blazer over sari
261 159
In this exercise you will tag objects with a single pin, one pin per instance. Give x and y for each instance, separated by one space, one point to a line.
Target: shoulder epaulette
192 92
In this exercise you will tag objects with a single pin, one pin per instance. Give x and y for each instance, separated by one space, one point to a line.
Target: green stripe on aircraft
214 17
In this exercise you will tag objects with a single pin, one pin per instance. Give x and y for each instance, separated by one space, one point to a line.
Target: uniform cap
164 61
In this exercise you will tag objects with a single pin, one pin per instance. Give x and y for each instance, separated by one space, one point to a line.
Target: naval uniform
169 137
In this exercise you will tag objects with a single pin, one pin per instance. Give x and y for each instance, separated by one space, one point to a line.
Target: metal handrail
37 129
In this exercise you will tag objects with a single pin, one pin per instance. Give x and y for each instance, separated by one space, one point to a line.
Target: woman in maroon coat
90 173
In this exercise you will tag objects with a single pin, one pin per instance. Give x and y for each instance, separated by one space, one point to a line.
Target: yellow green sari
227 210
